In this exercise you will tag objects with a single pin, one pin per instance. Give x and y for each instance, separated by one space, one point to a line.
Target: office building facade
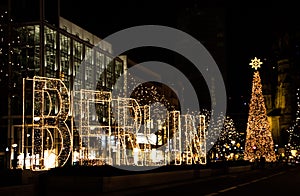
43 44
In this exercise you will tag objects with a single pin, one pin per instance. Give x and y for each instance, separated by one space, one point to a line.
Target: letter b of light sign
51 135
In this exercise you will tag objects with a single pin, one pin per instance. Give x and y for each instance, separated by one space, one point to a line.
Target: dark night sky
249 31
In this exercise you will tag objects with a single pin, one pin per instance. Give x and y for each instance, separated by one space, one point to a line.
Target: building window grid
65 59
99 67
89 68
29 57
118 71
77 60
50 52
109 72
37 49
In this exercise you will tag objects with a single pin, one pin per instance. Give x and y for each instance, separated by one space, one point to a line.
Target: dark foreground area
260 181
80 180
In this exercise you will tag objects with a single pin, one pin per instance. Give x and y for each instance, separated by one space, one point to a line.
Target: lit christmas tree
259 142
294 130
228 142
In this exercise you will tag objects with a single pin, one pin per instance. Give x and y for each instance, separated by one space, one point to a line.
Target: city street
259 181
149 98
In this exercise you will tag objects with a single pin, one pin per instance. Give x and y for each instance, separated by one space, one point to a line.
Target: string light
294 130
148 93
16 47
259 142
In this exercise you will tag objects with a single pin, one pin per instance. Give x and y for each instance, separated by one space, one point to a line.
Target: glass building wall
62 55
99 68
65 59
54 53
33 46
89 75
77 55
29 47
50 64
109 80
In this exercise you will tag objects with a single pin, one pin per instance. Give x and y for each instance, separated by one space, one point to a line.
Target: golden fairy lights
46 140
294 130
259 142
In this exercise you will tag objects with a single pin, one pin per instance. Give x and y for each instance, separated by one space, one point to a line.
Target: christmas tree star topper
255 63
